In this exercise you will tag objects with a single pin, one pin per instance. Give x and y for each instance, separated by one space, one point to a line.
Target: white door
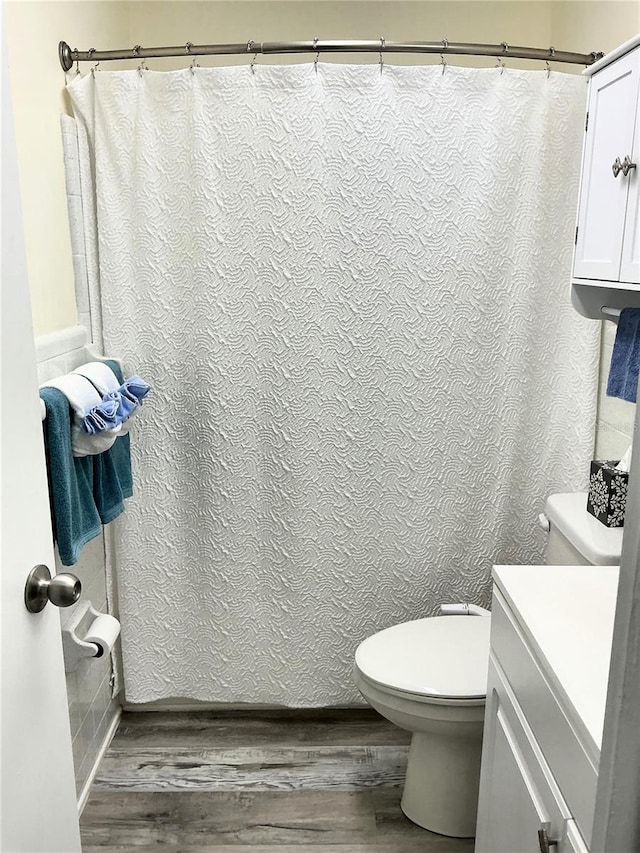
38 810
613 97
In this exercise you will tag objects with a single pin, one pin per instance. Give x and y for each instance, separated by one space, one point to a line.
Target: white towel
83 397
100 375
81 394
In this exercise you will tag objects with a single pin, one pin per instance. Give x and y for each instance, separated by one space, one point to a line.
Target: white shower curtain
350 292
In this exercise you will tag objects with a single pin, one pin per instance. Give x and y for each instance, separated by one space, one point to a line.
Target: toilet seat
435 659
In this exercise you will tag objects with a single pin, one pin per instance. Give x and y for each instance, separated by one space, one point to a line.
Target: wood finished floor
243 782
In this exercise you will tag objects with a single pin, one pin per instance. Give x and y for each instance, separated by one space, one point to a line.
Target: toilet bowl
429 677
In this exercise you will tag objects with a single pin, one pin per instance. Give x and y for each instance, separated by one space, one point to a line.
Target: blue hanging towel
71 481
85 492
112 479
625 361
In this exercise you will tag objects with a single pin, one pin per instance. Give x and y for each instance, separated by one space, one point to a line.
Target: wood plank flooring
244 782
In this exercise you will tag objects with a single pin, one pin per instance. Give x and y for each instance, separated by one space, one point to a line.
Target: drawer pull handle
544 841
624 166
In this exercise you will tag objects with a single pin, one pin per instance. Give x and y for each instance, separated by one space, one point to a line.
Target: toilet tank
576 538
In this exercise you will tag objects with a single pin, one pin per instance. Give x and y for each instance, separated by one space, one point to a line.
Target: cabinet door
630 270
518 796
613 97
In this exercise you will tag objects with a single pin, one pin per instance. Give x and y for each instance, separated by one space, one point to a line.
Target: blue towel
116 406
112 480
85 492
625 361
73 510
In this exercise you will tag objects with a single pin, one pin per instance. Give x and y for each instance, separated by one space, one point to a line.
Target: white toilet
429 677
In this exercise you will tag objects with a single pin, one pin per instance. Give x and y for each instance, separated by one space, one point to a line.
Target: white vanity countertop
567 615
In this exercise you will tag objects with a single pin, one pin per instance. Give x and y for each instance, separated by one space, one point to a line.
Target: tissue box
607 493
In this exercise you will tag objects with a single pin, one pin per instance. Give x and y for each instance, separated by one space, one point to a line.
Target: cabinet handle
625 166
544 841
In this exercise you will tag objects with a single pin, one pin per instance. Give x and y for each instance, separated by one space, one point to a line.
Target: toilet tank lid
599 545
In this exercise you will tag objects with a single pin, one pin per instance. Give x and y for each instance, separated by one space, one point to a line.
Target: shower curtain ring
194 64
135 52
250 45
75 53
95 67
445 46
505 49
315 61
500 64
382 47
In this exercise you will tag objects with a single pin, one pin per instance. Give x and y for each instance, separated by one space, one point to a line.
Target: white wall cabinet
551 632
606 268
605 197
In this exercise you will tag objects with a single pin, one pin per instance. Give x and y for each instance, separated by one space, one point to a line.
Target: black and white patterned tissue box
607 493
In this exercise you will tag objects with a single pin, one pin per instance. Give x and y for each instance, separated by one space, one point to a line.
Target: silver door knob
63 590
617 167
627 165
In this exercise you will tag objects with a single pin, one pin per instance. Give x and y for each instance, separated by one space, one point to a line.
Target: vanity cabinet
522 806
607 251
545 710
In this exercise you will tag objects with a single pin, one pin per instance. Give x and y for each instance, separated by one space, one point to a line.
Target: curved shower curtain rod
444 47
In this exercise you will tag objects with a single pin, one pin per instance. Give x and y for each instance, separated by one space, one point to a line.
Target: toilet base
443 777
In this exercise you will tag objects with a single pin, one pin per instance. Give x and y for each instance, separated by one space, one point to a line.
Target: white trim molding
617 818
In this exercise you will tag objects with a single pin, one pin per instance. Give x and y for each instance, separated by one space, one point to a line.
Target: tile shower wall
92 710
615 417
68 128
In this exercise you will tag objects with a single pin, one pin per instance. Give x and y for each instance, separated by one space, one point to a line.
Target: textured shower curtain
350 292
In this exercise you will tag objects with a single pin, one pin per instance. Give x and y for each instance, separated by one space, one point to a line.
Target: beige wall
458 20
37 82
32 31
594 25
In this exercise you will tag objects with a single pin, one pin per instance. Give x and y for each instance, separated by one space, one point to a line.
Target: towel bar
612 314
88 353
